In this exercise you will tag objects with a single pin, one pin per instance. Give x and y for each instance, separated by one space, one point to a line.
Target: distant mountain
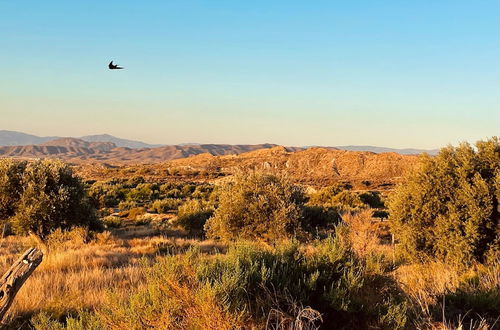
378 150
63 148
77 143
78 150
12 138
123 149
118 142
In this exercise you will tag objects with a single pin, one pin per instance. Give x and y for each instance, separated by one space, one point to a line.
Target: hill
407 151
12 138
77 150
314 166
118 141
318 166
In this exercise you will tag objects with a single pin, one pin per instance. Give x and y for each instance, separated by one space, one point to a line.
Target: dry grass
362 232
75 275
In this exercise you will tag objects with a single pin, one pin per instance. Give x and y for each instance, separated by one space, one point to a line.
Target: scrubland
257 250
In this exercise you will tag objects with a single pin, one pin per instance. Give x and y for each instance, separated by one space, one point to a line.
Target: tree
257 206
10 186
448 206
47 196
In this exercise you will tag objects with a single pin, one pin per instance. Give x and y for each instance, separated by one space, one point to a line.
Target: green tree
257 206
47 196
193 215
10 186
448 205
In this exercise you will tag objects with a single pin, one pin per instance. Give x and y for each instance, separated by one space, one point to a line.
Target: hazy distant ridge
12 138
407 151
106 147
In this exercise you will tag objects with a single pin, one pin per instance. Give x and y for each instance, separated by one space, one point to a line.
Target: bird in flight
112 66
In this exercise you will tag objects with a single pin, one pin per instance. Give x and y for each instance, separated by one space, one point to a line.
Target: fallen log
14 278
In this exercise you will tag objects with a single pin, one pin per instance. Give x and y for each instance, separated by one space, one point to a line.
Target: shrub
362 232
111 221
347 201
324 195
167 204
317 217
47 196
251 285
127 205
372 199
193 215
173 193
143 192
257 206
76 236
449 205
134 213
105 194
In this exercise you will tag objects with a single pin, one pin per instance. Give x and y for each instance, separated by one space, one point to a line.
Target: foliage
11 186
43 195
372 199
257 206
347 201
105 194
165 205
111 221
143 192
249 285
193 215
449 205
318 217
134 213
361 232
324 195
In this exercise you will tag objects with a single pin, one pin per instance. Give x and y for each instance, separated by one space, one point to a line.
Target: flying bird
112 66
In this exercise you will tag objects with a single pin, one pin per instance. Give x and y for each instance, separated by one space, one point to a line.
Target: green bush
257 206
47 196
252 285
448 206
111 221
106 194
167 204
318 217
143 192
127 205
372 199
193 215
324 195
347 201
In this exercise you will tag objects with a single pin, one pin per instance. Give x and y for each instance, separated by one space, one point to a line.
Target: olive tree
43 195
448 206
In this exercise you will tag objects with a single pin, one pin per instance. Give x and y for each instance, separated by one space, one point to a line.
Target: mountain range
13 138
110 149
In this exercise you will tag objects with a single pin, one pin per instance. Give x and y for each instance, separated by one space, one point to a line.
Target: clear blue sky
387 73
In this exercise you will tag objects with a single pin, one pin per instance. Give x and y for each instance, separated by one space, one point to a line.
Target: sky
390 73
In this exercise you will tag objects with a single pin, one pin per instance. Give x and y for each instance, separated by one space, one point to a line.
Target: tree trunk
14 278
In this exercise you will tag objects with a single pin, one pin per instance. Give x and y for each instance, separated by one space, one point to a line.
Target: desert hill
313 165
13 138
77 151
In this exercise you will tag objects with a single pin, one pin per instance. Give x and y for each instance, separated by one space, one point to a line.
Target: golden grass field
76 275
